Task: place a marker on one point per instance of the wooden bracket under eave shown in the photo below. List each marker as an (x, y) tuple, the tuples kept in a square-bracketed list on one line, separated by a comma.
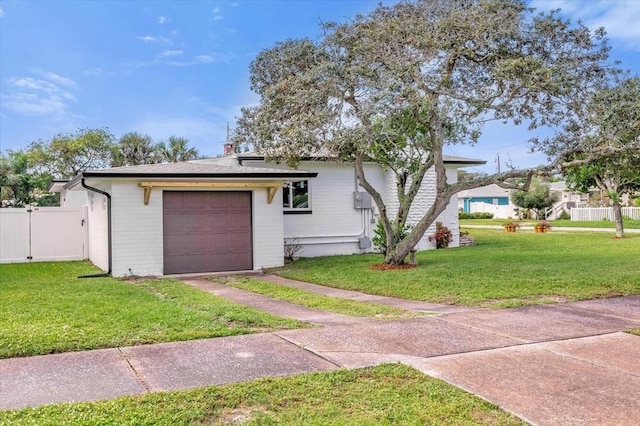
[(147, 194), (271, 192)]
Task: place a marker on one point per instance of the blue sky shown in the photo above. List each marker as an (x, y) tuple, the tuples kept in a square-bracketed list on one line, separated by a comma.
[(181, 67)]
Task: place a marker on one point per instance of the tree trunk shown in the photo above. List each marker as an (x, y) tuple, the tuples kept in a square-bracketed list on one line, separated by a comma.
[(617, 217)]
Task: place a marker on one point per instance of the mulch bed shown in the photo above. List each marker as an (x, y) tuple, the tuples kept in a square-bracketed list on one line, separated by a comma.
[(385, 267)]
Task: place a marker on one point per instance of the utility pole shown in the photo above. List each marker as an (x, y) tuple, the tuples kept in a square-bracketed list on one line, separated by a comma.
[(498, 161)]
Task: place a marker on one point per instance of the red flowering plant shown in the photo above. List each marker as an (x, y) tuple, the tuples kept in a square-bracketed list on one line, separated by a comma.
[(442, 237)]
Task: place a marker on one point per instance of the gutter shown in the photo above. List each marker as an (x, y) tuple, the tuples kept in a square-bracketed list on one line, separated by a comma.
[(106, 194)]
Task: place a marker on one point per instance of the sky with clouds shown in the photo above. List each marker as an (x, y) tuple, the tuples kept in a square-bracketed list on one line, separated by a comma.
[(181, 67)]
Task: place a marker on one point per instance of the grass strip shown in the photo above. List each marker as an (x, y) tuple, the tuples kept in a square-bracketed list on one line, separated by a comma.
[(501, 270), (387, 394), (46, 309), (317, 301)]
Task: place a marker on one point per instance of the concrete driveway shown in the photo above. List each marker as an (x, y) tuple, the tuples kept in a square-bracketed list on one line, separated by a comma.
[(563, 364)]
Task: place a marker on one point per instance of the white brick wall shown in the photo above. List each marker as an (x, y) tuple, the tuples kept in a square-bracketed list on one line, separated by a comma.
[(76, 197), (334, 226), (267, 230), (138, 231), (97, 227)]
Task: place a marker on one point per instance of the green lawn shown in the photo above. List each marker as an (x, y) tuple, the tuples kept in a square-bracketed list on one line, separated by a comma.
[(502, 270), (387, 394), (44, 308), (305, 298), (628, 223)]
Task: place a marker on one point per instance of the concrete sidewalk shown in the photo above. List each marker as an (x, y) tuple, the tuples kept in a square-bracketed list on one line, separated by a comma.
[(560, 364)]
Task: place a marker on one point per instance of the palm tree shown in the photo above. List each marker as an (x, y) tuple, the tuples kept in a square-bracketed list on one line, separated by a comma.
[(133, 149), (176, 149)]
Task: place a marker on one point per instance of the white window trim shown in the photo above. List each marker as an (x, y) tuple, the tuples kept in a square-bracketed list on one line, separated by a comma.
[(286, 187)]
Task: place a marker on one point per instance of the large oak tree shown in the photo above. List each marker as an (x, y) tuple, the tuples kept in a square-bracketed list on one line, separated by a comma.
[(398, 84)]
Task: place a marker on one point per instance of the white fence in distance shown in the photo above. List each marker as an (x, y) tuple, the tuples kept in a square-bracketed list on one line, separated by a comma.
[(43, 234), (603, 213), (499, 212)]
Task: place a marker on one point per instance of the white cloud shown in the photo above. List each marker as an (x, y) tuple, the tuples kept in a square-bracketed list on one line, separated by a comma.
[(216, 14), (147, 38), (165, 53), (34, 105), (1, 12), (620, 18), (163, 19), (56, 78), (203, 59), (45, 96)]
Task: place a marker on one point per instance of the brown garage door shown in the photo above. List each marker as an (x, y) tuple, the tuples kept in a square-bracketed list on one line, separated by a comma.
[(207, 231)]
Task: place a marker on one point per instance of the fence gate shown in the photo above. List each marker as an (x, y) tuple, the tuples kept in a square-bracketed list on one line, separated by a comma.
[(43, 234)]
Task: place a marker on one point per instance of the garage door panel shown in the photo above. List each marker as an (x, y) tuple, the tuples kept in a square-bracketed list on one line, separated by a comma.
[(238, 242), (175, 201), (178, 243), (240, 203), (198, 201), (207, 231)]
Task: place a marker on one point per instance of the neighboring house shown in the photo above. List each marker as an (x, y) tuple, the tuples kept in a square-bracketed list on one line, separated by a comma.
[(496, 200), (488, 199), (237, 212), (567, 199)]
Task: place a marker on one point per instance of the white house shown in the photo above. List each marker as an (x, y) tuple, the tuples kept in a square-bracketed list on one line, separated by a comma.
[(236, 213)]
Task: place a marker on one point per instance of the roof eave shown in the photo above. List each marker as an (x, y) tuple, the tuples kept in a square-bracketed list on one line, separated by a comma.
[(90, 174)]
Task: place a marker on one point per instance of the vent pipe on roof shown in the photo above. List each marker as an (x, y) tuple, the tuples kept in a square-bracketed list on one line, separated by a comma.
[(106, 194)]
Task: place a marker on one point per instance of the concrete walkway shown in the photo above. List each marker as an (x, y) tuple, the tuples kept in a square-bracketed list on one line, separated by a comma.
[(563, 364)]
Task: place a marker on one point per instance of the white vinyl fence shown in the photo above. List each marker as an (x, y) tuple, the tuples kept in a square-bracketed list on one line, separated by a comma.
[(603, 213), (43, 234), (499, 212)]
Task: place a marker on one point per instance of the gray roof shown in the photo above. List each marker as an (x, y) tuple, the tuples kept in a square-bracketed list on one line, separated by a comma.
[(191, 170), (448, 159), (489, 191)]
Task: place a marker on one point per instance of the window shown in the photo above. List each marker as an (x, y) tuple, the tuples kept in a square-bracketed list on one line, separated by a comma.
[(295, 196)]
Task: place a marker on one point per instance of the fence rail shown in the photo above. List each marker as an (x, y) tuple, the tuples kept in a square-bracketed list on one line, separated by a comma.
[(603, 213)]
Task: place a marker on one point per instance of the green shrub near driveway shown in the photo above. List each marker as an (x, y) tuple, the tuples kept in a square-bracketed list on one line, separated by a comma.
[(502, 269), (45, 308)]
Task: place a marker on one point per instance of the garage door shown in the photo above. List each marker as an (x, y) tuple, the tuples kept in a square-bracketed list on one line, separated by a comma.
[(207, 231)]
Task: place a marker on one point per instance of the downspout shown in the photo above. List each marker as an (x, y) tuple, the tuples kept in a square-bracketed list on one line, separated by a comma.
[(106, 194)]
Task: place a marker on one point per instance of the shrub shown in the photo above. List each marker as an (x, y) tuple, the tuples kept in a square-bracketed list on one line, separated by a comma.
[(380, 239), (442, 237), (291, 248), (564, 215), (475, 215)]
